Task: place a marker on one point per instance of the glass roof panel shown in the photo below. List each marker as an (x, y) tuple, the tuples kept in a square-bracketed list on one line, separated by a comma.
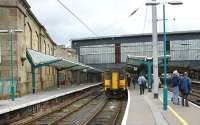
[(59, 63), (40, 58)]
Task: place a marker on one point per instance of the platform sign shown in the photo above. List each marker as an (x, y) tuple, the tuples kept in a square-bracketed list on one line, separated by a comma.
[(134, 62)]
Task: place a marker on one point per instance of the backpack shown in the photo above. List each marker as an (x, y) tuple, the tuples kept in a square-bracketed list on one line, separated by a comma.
[(143, 81)]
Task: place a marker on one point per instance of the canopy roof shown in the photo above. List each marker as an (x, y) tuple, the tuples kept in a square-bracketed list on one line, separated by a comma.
[(145, 58), (39, 59), (137, 60)]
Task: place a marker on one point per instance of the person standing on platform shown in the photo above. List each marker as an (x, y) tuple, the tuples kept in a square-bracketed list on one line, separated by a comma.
[(134, 80), (185, 87), (128, 79), (175, 83), (142, 83), (181, 77)]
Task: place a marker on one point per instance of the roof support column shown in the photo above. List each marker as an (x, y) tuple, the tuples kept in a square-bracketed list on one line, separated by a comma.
[(155, 50), (117, 53), (33, 78), (149, 64)]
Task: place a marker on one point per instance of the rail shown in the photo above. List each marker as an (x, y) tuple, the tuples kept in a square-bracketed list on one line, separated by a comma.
[(35, 118), (108, 115)]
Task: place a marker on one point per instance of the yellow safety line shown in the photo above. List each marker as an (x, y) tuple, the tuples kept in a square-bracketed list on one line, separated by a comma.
[(184, 122)]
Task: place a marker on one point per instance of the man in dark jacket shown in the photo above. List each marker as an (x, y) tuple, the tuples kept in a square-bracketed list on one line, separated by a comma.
[(185, 87), (134, 80), (128, 79), (181, 78)]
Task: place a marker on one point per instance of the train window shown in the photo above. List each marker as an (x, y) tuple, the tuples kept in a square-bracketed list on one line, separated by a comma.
[(107, 75), (121, 76)]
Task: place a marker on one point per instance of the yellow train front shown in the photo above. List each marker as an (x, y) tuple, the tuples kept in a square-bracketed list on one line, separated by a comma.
[(115, 84)]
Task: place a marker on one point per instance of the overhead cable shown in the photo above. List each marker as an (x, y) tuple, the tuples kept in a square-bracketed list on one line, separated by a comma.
[(134, 12), (82, 22), (145, 20)]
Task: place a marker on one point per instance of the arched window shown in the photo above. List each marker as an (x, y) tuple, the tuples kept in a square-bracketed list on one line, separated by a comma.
[(45, 47), (30, 35), (48, 49), (38, 41), (52, 51)]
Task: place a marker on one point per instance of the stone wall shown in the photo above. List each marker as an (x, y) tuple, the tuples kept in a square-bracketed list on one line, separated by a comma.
[(16, 14), (67, 53)]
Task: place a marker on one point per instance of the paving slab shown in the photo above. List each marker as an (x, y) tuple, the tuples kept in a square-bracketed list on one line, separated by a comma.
[(189, 114), (142, 110), (145, 110)]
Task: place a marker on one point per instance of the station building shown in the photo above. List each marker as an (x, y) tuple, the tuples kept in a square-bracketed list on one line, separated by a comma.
[(28, 33), (112, 51)]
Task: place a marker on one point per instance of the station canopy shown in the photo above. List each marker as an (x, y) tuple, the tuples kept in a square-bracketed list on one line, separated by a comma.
[(38, 59), (136, 60)]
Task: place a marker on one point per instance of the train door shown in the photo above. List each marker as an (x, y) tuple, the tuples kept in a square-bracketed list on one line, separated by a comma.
[(115, 79)]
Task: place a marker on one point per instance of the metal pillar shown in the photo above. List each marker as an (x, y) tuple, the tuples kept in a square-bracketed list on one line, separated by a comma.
[(149, 77), (10, 38), (165, 91), (117, 53), (155, 53), (33, 78)]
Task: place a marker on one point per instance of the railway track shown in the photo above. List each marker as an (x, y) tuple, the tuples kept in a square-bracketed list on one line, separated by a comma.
[(57, 117), (100, 111), (108, 115), (195, 94), (89, 108), (48, 111), (85, 113)]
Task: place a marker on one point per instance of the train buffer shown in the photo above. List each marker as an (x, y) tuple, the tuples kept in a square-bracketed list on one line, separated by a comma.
[(145, 110)]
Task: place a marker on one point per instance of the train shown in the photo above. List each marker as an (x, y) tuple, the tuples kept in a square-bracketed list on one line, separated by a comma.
[(115, 85)]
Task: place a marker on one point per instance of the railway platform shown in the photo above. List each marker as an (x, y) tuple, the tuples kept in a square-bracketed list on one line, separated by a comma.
[(145, 110), (7, 106)]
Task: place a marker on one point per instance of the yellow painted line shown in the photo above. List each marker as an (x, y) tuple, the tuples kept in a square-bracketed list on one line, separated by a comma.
[(183, 122)]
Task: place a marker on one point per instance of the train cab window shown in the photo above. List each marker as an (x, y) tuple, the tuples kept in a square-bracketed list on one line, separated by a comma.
[(121, 76), (107, 75)]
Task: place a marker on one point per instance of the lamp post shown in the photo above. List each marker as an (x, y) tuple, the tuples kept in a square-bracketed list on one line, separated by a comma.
[(165, 90), (10, 39), (10, 42)]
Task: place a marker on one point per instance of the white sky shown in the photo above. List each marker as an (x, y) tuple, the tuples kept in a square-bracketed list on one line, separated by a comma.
[(110, 17)]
